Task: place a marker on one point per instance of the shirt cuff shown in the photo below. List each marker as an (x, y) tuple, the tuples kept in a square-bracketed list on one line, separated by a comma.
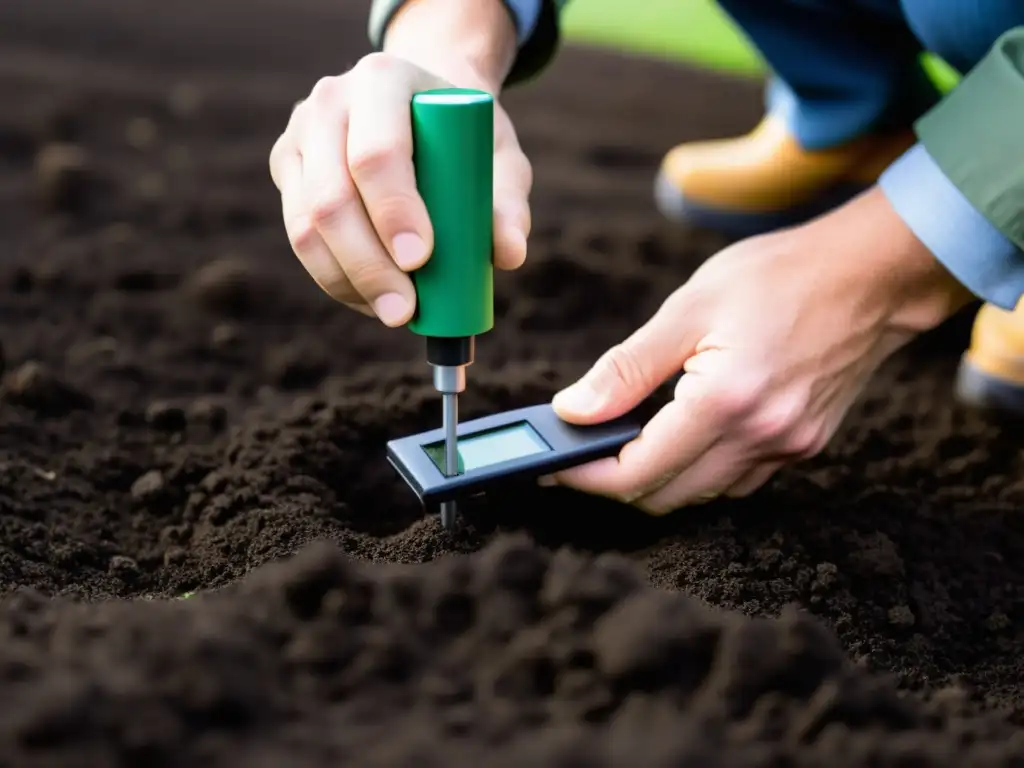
[(536, 23), (525, 14), (966, 243)]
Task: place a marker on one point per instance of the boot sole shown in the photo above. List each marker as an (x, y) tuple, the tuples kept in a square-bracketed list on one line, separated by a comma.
[(677, 207), (983, 391)]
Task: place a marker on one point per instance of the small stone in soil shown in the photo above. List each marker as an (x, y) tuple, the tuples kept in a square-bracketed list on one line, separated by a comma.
[(34, 386), (208, 411), (148, 485), (224, 336), (64, 177)]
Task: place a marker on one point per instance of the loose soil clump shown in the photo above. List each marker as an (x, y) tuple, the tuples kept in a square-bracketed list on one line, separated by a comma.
[(182, 410)]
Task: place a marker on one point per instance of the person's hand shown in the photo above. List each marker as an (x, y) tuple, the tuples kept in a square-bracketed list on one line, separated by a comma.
[(348, 191), (777, 336)]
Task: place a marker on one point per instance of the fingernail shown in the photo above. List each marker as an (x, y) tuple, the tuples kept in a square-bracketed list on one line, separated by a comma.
[(391, 308), (546, 481), (579, 398), (409, 250)]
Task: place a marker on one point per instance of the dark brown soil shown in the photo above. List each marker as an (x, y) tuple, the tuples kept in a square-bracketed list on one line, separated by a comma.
[(181, 406)]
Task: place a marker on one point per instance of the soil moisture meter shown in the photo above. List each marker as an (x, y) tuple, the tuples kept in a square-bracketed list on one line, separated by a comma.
[(511, 446), (453, 157)]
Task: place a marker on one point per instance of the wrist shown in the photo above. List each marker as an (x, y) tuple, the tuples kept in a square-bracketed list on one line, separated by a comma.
[(470, 43), (903, 280)]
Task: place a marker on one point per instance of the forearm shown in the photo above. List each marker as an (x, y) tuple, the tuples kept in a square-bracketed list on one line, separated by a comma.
[(503, 41), (472, 43)]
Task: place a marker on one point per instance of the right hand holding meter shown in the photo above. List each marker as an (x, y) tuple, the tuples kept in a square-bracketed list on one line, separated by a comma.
[(349, 199)]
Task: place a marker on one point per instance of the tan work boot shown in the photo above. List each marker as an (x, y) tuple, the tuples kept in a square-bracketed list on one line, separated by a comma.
[(991, 374), (766, 180)]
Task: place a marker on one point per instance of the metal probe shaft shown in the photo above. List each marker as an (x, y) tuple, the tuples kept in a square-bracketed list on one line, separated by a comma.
[(450, 422)]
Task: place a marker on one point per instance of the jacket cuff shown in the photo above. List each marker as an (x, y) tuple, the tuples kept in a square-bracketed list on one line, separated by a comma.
[(536, 23), (974, 135), (964, 241)]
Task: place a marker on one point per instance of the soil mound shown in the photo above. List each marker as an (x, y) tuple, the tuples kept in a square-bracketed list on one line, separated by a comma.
[(511, 656)]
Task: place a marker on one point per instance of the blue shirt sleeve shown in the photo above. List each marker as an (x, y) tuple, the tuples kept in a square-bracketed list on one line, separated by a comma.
[(958, 235), (526, 13)]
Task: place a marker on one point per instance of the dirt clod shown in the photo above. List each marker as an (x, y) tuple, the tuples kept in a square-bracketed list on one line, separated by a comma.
[(228, 286), (166, 417)]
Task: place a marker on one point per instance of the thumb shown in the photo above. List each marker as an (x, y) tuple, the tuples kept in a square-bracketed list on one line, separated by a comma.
[(629, 372)]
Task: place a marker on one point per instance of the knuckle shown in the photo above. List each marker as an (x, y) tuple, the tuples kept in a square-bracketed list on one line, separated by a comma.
[(274, 159), (734, 401), (806, 442), (369, 276), (329, 208), (773, 422), (376, 62), (301, 233), (277, 149), (391, 213), (622, 363), (325, 89), (370, 160)]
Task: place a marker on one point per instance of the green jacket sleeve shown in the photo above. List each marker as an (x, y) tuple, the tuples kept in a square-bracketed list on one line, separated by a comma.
[(538, 42), (976, 136)]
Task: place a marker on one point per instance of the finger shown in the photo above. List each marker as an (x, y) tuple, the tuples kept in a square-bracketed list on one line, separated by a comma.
[(632, 370), (380, 150), (513, 181), (283, 151), (285, 148), (510, 240), (705, 480), (753, 480), (676, 438), (306, 242), (342, 222)]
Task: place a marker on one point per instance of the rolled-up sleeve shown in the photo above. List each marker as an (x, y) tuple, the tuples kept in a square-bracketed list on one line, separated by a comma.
[(537, 31), (964, 241), (961, 188)]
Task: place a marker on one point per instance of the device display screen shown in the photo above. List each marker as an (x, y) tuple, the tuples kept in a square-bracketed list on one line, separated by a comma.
[(492, 447)]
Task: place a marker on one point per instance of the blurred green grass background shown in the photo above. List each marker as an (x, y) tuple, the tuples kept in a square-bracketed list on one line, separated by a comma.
[(692, 31)]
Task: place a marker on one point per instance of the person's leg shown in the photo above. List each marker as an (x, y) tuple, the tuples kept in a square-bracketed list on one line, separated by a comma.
[(846, 85), (991, 373)]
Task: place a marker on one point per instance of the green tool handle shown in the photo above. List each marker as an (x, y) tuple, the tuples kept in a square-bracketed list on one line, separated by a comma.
[(453, 155)]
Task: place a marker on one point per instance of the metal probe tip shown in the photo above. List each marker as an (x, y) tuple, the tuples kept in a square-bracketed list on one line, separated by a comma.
[(450, 422), (449, 380)]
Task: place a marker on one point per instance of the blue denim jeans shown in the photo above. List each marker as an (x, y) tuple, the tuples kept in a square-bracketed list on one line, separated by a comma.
[(845, 68)]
